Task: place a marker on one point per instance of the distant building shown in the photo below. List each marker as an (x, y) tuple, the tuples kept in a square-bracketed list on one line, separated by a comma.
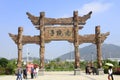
[(114, 59), (70, 60), (73, 60)]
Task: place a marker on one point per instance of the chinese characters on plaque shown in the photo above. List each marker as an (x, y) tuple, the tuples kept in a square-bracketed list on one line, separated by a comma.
[(59, 33)]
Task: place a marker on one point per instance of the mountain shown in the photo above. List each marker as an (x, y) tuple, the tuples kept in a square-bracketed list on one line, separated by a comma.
[(89, 52)]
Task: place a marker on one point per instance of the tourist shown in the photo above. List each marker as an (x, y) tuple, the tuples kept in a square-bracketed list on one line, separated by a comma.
[(35, 73), (93, 70), (86, 69), (110, 73), (32, 72), (37, 70), (19, 73), (25, 73)]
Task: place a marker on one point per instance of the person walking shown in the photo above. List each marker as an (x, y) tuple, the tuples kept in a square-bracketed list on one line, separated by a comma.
[(37, 70), (19, 73), (25, 73), (35, 73), (32, 72), (110, 73)]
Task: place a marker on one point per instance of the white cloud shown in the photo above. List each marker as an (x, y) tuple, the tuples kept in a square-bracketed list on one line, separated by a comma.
[(95, 7)]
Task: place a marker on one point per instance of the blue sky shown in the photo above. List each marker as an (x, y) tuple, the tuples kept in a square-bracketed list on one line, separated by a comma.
[(106, 13)]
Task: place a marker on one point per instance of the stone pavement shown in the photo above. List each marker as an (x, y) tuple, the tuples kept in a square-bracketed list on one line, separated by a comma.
[(63, 75)]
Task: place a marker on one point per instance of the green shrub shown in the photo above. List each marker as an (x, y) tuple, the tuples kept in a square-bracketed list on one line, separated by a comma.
[(2, 71), (3, 62), (116, 70)]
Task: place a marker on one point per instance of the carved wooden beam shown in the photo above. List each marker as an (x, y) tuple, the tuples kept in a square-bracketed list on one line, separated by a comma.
[(59, 21), (26, 39), (31, 39), (34, 20), (87, 38), (104, 36), (14, 37), (90, 38)]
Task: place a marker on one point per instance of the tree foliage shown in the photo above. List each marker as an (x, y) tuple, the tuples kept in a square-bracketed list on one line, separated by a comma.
[(7, 66), (3, 62)]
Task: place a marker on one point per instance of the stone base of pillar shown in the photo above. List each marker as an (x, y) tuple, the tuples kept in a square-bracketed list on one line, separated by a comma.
[(41, 71), (76, 71), (100, 71)]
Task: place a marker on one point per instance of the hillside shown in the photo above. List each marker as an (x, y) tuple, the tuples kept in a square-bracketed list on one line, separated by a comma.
[(89, 52)]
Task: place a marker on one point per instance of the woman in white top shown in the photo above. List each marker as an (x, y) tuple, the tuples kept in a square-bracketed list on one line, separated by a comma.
[(110, 73)]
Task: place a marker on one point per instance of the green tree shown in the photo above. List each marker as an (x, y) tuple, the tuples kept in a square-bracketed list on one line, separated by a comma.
[(3, 62), (58, 60), (10, 69), (7, 66), (36, 61), (82, 65)]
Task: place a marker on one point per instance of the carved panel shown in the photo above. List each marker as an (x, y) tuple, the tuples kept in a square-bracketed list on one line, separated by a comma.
[(59, 33)]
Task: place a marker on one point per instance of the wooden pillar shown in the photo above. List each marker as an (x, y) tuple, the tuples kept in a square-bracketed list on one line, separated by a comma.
[(19, 45), (76, 45), (42, 42), (98, 46)]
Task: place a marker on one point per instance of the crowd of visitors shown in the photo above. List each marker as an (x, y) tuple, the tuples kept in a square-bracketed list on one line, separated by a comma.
[(23, 73)]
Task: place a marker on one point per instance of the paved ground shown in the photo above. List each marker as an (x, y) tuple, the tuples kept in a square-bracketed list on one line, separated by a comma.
[(64, 75)]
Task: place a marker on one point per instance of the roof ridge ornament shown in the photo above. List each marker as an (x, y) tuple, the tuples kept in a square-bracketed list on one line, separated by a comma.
[(59, 21)]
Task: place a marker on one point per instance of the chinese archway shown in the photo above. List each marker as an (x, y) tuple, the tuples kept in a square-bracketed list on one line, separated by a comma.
[(67, 30)]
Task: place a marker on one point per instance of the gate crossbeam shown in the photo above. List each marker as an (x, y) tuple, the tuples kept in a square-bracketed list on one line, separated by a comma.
[(90, 38), (26, 39)]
